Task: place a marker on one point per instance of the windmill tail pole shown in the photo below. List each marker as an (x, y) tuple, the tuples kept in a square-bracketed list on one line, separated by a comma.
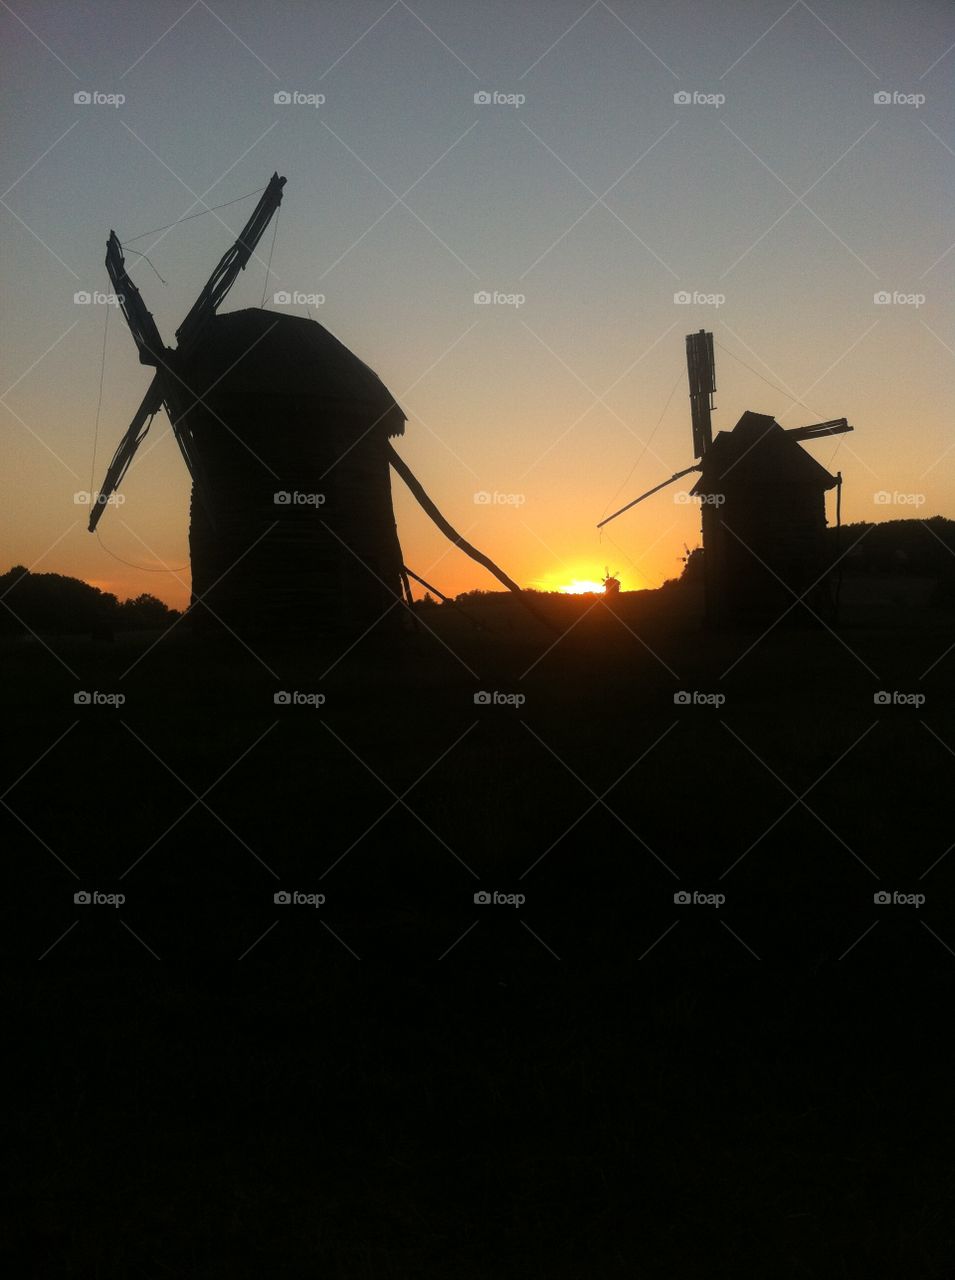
[(655, 489), (478, 626), (452, 534)]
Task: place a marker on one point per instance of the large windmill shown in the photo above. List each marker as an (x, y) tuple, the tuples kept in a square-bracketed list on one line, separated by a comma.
[(763, 505), (287, 436)]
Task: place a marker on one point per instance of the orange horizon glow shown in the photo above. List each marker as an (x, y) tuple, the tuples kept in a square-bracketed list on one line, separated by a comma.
[(581, 587)]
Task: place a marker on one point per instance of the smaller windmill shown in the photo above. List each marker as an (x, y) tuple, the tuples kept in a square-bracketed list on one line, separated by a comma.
[(763, 505), (611, 582)]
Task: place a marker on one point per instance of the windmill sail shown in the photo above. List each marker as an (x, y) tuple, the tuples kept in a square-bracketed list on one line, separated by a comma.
[(167, 387), (701, 373)]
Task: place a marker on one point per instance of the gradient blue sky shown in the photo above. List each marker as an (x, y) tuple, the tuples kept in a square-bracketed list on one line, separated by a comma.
[(798, 199)]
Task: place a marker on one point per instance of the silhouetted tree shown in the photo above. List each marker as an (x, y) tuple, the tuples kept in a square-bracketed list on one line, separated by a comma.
[(54, 604)]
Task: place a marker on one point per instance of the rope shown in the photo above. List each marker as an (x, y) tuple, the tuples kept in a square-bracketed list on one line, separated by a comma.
[(99, 403), (201, 213), (268, 265), (646, 445), (787, 394), (145, 259), (143, 568)]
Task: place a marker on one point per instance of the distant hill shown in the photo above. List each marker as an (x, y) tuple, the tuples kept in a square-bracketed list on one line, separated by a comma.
[(922, 548), (53, 604)]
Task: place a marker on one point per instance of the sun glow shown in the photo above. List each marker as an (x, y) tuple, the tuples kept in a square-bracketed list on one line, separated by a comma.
[(580, 587)]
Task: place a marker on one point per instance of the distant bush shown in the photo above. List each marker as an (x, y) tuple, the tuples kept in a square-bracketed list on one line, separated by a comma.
[(51, 603)]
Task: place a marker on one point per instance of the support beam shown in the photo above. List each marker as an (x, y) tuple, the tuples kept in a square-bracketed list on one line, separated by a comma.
[(452, 534)]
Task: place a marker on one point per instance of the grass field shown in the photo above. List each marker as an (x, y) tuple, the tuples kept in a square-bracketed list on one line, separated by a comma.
[(620, 1084)]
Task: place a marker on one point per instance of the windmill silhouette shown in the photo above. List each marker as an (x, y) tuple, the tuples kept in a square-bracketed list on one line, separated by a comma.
[(763, 504)]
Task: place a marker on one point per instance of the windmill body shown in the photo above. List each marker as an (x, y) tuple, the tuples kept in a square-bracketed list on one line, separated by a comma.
[(292, 526), (763, 500)]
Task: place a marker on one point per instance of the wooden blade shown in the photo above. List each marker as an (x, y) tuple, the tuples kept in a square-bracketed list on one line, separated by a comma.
[(834, 427), (135, 433), (230, 264), (140, 321)]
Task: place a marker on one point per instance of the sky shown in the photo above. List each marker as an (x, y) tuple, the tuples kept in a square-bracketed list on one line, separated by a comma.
[(613, 176)]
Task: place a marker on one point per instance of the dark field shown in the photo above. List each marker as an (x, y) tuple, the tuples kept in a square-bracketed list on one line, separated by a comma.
[(619, 1084)]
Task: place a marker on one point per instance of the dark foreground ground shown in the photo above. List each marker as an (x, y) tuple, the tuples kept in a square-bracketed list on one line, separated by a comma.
[(600, 1081)]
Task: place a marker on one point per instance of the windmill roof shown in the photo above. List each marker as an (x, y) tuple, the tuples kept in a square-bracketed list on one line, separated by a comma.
[(758, 451), (269, 353)]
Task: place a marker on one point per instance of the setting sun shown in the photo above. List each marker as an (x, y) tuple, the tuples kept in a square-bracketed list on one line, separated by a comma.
[(580, 587)]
